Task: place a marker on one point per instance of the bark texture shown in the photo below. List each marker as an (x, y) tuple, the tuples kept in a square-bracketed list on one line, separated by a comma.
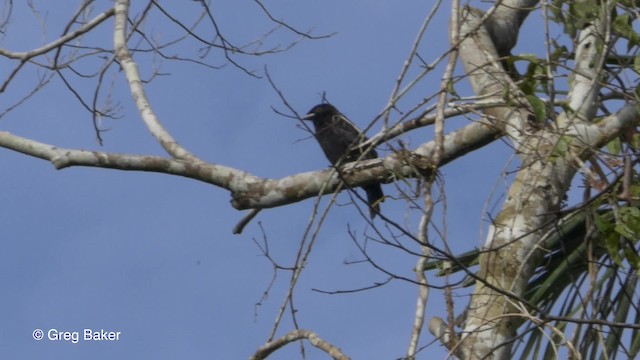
[(550, 158)]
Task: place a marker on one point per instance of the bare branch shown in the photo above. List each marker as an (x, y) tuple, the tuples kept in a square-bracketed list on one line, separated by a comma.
[(488, 78), (24, 56), (421, 279), (591, 53), (267, 349), (137, 90), (289, 27), (504, 21), (396, 94)]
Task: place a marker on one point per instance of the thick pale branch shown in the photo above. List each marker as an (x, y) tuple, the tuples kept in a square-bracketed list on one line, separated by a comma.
[(276, 192), (268, 348), (585, 84), (250, 191), (61, 158), (594, 136), (137, 90), (514, 240), (441, 330), (403, 164), (488, 78), (505, 21), (462, 141), (513, 243)]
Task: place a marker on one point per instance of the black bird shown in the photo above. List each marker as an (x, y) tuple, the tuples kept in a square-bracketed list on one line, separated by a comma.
[(339, 139)]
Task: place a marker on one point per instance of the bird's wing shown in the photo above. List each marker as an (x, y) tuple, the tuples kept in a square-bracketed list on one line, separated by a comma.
[(349, 131)]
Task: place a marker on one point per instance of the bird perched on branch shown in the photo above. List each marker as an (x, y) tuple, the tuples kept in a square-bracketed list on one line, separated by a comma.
[(339, 140)]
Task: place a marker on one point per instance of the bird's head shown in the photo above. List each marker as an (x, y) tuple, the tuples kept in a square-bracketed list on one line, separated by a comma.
[(321, 111)]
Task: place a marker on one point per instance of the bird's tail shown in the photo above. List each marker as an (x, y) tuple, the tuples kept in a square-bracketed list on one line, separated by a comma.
[(374, 197)]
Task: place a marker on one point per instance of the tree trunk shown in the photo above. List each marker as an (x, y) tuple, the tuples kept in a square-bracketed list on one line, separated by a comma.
[(550, 157)]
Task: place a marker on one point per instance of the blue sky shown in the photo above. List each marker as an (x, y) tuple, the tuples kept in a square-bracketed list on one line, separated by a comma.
[(153, 256)]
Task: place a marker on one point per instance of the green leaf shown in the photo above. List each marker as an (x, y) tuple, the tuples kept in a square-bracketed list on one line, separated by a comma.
[(603, 223), (635, 141), (583, 13), (539, 108), (624, 230), (531, 58), (450, 89), (530, 80), (612, 244), (615, 146), (622, 26), (632, 257), (556, 11), (636, 64), (558, 53), (561, 147), (630, 219)]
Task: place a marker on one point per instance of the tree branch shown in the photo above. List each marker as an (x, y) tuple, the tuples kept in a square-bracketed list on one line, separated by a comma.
[(24, 56), (589, 60), (249, 191), (504, 23), (130, 68), (480, 60), (267, 349)]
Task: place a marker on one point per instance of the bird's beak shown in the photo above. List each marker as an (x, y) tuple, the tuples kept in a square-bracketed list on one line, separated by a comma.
[(309, 116)]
